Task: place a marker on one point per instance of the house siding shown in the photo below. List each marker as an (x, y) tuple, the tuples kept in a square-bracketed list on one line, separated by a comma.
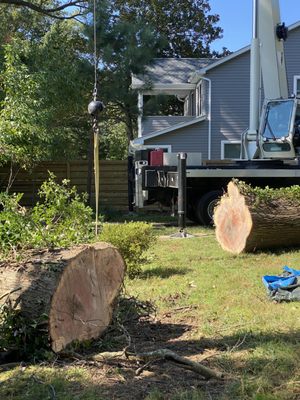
[(157, 123), (230, 101), (292, 56), (193, 138), (231, 92), (230, 85)]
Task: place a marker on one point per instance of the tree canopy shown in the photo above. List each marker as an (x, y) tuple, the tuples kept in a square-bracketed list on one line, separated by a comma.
[(187, 25), (52, 9), (46, 71)]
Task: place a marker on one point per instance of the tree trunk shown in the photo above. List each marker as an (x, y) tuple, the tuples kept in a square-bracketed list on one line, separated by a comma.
[(75, 288), (244, 225)]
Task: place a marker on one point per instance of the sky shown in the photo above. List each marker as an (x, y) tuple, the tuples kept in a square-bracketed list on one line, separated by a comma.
[(236, 20)]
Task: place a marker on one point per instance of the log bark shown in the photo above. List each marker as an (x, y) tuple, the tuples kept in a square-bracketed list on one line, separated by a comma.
[(243, 225), (75, 288)]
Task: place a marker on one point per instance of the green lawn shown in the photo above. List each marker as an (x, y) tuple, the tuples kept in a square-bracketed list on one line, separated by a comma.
[(208, 303)]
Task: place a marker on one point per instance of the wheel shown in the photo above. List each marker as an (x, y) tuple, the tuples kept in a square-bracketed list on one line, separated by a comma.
[(205, 206)]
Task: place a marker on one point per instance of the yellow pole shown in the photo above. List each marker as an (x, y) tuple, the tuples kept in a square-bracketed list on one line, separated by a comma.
[(97, 173)]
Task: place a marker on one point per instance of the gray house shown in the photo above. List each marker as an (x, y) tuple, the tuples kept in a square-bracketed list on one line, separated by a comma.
[(215, 93)]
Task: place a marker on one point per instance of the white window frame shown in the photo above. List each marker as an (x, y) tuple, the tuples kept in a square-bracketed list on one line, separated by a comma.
[(296, 79), (223, 143)]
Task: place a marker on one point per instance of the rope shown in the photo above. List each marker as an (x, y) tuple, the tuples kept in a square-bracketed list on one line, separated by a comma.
[(95, 52), (96, 128), (97, 172)]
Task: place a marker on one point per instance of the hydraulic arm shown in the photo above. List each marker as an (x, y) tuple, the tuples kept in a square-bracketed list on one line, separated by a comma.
[(275, 135)]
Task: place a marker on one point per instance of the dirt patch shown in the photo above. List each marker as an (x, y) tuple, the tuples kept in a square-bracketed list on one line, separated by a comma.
[(127, 379)]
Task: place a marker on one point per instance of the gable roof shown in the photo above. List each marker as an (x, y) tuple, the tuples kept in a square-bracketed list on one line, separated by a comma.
[(170, 71), (184, 71)]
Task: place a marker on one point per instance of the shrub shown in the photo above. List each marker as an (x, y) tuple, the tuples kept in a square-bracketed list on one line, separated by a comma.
[(132, 240), (15, 223), (61, 219)]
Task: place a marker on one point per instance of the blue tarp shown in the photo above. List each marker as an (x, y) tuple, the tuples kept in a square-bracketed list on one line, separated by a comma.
[(284, 287)]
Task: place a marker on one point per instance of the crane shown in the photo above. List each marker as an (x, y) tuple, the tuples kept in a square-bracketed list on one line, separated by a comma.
[(276, 133), (270, 151)]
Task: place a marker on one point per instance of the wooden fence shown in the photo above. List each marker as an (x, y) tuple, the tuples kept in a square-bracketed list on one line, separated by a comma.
[(113, 181)]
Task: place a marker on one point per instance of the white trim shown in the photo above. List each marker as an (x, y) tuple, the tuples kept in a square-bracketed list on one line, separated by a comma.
[(223, 143), (169, 129), (295, 87)]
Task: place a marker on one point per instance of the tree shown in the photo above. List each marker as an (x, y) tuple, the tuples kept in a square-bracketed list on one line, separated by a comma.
[(52, 9), (123, 48), (187, 25), (43, 111), (141, 31), (130, 48), (45, 86)]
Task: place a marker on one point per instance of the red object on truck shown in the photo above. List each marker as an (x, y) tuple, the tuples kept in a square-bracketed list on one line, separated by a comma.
[(156, 157)]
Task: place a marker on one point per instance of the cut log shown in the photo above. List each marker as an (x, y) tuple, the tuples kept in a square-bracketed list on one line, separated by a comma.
[(75, 288), (244, 225)]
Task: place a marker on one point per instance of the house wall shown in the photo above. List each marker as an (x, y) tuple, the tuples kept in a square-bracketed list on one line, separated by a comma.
[(231, 92), (157, 123), (192, 138), (230, 103), (292, 56)]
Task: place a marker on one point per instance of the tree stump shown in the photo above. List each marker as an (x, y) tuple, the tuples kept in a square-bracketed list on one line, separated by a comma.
[(245, 225), (75, 288)]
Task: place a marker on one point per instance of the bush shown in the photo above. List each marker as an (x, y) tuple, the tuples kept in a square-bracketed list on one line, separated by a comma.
[(15, 223), (61, 219), (132, 240)]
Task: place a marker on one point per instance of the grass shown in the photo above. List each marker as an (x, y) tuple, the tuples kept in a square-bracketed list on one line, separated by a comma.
[(229, 309), (43, 383), (220, 303)]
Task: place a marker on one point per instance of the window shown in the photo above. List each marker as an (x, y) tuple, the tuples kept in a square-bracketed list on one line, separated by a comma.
[(297, 85), (230, 149)]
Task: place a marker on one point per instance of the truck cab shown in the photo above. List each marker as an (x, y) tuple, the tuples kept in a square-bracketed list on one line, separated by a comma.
[(279, 135)]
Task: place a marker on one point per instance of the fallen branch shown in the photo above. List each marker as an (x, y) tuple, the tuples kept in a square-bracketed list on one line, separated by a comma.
[(182, 362), (149, 357)]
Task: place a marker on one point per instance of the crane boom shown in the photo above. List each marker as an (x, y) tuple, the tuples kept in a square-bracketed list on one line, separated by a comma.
[(271, 50), (276, 133)]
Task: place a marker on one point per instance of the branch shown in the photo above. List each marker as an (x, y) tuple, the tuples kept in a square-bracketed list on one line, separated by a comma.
[(48, 11), (181, 362), (151, 357)]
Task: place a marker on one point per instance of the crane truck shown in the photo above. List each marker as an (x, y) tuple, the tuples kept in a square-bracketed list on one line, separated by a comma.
[(270, 147)]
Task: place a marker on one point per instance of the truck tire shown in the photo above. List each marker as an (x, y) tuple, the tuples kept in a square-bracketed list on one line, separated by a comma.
[(205, 206)]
